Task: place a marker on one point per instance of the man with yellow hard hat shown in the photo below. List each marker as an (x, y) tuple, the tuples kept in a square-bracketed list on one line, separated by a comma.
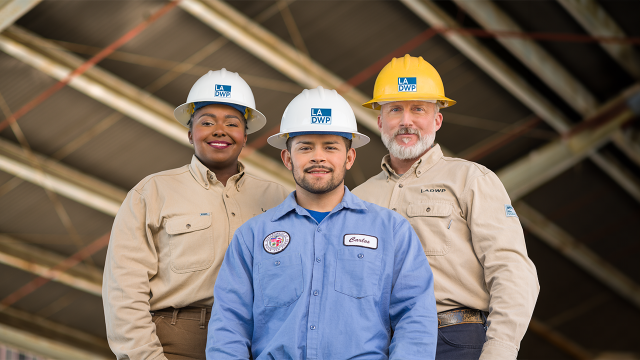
[(485, 284)]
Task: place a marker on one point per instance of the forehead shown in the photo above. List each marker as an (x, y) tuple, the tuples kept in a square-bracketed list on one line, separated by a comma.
[(406, 104), (218, 110), (317, 139)]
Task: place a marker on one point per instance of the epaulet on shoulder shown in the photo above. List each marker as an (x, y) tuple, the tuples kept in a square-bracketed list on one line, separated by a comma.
[(470, 164), (171, 172)]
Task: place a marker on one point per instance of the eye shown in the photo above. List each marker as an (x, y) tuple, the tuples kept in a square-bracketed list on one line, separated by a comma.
[(232, 124)]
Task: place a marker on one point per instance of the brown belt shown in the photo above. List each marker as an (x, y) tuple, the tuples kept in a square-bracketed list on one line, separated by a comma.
[(461, 316), (187, 313)]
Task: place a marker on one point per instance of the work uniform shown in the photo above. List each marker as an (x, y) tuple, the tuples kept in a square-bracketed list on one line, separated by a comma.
[(293, 288), (167, 243), (473, 240)]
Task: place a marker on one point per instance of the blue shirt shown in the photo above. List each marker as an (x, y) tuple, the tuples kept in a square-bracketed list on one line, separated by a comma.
[(293, 288)]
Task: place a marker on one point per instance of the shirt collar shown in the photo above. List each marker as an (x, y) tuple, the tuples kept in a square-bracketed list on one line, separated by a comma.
[(421, 165), (205, 177), (349, 201)]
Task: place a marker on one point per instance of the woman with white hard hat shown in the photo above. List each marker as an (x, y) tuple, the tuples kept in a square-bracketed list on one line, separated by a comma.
[(171, 233)]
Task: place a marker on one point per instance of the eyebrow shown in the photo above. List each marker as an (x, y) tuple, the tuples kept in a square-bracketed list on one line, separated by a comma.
[(312, 143), (228, 116)]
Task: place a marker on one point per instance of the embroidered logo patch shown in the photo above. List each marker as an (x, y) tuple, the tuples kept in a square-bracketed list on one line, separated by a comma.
[(223, 90), (407, 84), (432, 190), (321, 116), (510, 211), (276, 242), (366, 241)]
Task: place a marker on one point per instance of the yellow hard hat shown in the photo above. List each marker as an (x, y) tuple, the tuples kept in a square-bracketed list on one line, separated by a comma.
[(408, 78)]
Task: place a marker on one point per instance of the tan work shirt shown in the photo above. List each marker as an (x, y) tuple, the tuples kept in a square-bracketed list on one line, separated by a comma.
[(474, 244), (167, 244)]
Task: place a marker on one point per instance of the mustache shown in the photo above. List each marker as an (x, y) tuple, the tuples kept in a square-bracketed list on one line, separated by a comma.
[(314, 167), (407, 130)]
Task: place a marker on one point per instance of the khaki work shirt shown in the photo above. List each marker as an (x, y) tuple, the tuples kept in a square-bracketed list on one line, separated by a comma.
[(474, 244), (167, 244)]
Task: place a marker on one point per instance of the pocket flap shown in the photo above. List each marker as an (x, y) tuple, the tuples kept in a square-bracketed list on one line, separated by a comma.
[(189, 223), (431, 208), (279, 262)]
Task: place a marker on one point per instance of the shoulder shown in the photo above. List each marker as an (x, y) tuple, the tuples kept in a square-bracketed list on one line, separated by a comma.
[(157, 178), (370, 183), (258, 181), (383, 215), (467, 166)]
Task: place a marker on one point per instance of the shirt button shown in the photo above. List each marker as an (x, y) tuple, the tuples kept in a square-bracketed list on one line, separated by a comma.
[(277, 263), (428, 209), (188, 226), (211, 177), (419, 172), (394, 209), (319, 230), (316, 293), (318, 259), (360, 256), (399, 185), (227, 195), (312, 327), (233, 214)]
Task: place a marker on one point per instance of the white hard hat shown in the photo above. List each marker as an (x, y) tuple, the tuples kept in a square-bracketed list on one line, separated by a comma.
[(224, 87), (318, 110)]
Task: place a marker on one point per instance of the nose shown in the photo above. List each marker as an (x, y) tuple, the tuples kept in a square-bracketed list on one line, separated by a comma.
[(218, 130), (318, 156), (406, 120)]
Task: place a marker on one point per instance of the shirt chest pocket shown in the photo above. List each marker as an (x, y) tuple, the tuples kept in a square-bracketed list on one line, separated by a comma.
[(281, 280), (357, 272), (191, 243), (432, 222)]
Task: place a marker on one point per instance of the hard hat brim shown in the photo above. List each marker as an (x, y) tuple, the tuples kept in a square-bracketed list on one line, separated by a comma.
[(372, 104), (255, 122), (279, 140)]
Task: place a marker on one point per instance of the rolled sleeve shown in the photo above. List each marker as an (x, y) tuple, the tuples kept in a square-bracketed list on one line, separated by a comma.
[(131, 261), (412, 307), (509, 274), (231, 324)]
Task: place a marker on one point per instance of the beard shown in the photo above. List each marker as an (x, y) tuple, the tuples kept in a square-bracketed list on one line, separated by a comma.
[(317, 187), (408, 152)]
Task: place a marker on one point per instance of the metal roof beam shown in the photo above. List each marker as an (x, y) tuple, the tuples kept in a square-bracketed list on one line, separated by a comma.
[(595, 20), (283, 57), (38, 261), (85, 346), (12, 10), (61, 179), (547, 68), (578, 253), (434, 16), (118, 94)]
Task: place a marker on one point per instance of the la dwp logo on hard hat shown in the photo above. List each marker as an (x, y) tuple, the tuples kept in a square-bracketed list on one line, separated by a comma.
[(223, 90), (321, 116), (407, 84)]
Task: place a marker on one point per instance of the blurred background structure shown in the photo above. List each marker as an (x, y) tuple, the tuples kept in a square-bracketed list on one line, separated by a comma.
[(548, 98)]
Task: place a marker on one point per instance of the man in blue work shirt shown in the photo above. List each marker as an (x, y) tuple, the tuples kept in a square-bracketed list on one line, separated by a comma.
[(324, 275)]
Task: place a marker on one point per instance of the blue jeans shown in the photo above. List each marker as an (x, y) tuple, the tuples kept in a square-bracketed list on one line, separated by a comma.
[(460, 342)]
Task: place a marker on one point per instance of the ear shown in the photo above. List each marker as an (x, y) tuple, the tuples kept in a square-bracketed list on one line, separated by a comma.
[(190, 137), (286, 159), (351, 158), (439, 119), (379, 122), (245, 140)]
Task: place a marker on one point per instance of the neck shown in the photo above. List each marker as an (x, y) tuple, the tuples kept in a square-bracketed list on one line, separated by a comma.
[(223, 173), (319, 202)]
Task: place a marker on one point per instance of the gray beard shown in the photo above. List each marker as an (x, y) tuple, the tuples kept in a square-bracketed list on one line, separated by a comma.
[(411, 152)]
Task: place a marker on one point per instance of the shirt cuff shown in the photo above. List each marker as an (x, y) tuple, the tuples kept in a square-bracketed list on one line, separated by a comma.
[(498, 350)]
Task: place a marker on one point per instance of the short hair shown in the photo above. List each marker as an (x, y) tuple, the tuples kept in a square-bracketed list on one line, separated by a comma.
[(347, 142), (439, 104)]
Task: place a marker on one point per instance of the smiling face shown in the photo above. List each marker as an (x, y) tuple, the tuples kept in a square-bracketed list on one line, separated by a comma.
[(318, 162), (218, 136), (409, 128)]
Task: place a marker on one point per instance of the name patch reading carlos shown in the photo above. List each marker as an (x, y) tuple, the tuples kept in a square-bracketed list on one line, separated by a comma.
[(276, 242), (361, 240)]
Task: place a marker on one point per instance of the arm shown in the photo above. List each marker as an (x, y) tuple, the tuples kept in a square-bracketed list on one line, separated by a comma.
[(231, 324), (131, 261), (412, 307), (509, 274)]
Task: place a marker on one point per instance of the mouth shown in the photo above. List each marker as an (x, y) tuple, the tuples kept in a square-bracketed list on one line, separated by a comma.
[(406, 138), (220, 145), (318, 171)]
